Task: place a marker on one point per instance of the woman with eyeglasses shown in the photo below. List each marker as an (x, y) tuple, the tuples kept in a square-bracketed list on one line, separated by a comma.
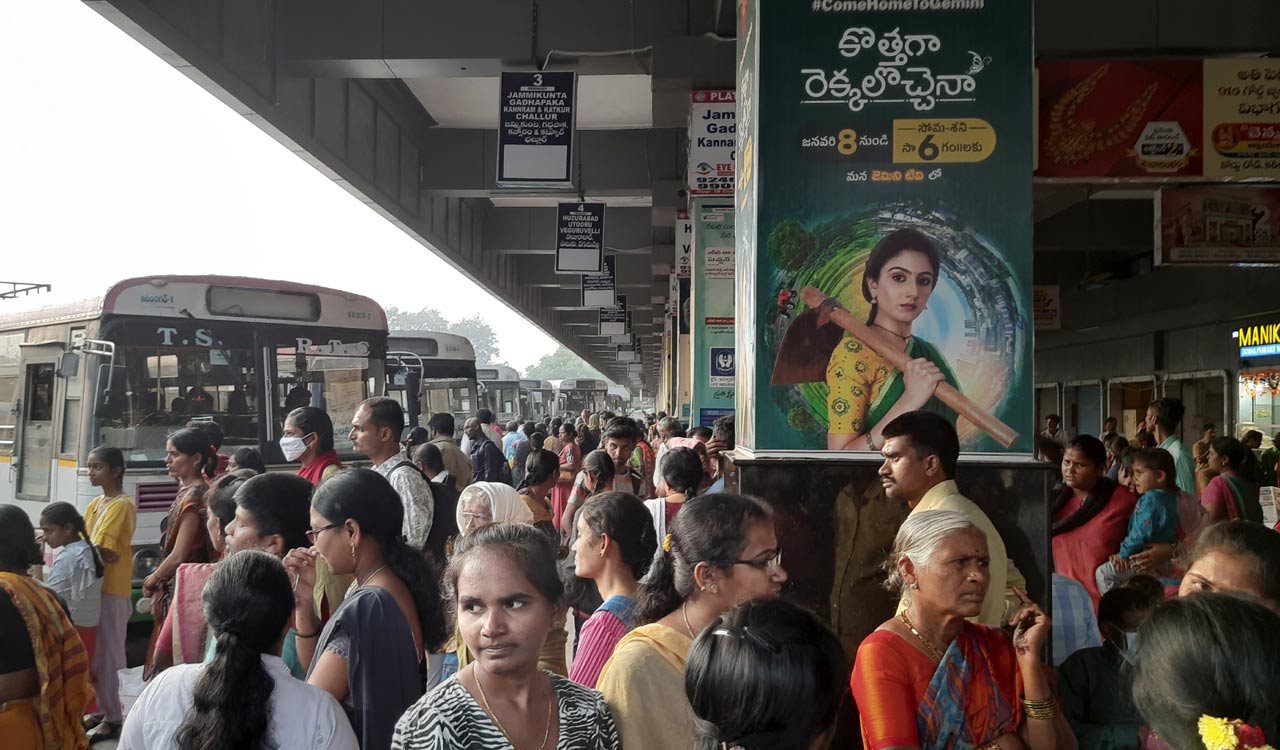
[(798, 675), (371, 655), (721, 551), (503, 582)]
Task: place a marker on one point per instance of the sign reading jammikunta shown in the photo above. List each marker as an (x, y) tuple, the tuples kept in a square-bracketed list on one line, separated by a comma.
[(884, 220), (535, 130)]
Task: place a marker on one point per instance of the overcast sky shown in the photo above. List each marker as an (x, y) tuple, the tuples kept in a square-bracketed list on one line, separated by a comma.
[(113, 164)]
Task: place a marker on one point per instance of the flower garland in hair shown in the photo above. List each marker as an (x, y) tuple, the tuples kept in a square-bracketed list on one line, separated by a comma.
[(1221, 734)]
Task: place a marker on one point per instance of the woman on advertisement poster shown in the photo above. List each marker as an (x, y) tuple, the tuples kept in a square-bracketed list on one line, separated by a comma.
[(878, 369), (866, 391)]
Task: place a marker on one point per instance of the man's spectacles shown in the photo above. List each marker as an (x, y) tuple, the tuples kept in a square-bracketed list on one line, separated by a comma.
[(313, 534)]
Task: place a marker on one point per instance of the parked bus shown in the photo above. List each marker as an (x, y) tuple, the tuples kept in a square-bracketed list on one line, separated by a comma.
[(537, 399), (574, 395), (440, 368), (500, 392), (619, 399), (151, 354)]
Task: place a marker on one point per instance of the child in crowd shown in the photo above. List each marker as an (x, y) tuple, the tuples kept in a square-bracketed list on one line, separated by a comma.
[(110, 520), (1154, 519), (76, 574)]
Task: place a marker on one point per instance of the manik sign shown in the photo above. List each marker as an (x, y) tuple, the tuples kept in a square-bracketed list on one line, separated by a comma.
[(1259, 341), (713, 135)]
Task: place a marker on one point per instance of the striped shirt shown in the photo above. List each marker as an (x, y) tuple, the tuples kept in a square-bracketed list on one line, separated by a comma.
[(600, 634), (448, 718), (1075, 626)]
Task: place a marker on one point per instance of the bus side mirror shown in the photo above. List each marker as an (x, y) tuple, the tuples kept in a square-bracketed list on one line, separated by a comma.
[(111, 391), (413, 397), (69, 365)]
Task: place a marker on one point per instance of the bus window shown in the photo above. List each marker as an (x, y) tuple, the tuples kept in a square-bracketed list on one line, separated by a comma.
[(335, 382), (168, 386)]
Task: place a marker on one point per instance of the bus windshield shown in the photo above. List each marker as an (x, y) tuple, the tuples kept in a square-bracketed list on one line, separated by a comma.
[(168, 375)]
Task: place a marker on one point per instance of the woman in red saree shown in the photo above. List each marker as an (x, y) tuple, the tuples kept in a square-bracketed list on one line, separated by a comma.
[(187, 454), (929, 679), (1090, 514)]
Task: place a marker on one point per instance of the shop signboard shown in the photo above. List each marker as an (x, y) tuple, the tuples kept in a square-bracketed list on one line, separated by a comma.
[(712, 306), (885, 203), (535, 132), (1216, 226), (598, 288), (580, 237), (1259, 340), (1242, 117), (1046, 307), (712, 139)]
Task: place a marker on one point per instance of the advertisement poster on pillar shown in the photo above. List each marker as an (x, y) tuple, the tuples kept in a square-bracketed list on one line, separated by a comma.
[(891, 180)]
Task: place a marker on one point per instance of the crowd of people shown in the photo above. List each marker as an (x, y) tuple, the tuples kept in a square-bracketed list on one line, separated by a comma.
[(597, 583)]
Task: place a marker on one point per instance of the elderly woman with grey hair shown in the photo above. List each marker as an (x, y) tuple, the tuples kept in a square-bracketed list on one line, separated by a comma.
[(929, 678)]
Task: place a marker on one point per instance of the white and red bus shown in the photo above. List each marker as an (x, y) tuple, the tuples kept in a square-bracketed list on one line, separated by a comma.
[(151, 354)]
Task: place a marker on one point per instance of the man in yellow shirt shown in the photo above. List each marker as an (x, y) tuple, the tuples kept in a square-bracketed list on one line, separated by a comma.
[(110, 521), (920, 452)]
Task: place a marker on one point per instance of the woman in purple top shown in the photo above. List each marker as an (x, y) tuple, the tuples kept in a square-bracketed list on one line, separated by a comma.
[(616, 543)]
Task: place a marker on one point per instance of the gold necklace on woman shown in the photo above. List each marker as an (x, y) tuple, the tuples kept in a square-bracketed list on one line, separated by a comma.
[(928, 644), (485, 699), (376, 571)]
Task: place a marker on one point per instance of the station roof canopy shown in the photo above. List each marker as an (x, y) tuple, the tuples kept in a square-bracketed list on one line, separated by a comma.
[(397, 101)]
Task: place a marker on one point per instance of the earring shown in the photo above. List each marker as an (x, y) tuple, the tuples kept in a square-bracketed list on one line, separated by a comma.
[(915, 585), (714, 589), (353, 551)]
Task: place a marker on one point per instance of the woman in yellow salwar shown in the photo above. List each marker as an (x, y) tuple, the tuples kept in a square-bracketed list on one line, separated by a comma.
[(44, 668), (865, 391), (721, 551)]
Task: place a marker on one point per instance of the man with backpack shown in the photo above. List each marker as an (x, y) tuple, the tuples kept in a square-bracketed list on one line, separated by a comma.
[(487, 462), (375, 432)]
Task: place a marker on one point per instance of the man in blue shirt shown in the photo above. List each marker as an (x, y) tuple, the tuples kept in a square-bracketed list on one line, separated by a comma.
[(1163, 417)]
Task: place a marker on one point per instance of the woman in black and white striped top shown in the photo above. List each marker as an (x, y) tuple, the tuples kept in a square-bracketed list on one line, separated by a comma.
[(503, 581)]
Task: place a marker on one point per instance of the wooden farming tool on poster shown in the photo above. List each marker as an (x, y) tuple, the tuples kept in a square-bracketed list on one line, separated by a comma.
[(946, 393)]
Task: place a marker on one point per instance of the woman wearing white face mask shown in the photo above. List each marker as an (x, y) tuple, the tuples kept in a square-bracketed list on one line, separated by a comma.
[(308, 437)]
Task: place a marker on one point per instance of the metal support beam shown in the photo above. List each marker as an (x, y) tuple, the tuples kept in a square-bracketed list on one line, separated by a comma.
[(532, 231), (462, 161), (442, 38)]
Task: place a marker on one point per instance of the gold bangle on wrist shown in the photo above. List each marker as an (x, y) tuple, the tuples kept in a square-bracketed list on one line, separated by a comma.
[(1043, 710)]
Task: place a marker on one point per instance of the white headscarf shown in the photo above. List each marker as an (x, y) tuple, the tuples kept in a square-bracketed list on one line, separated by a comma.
[(504, 504)]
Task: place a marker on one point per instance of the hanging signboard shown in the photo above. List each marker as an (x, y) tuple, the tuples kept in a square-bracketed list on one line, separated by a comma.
[(598, 288), (713, 136), (684, 245), (673, 295), (613, 320), (1242, 117), (883, 138), (535, 130), (580, 238), (627, 354), (1218, 226)]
